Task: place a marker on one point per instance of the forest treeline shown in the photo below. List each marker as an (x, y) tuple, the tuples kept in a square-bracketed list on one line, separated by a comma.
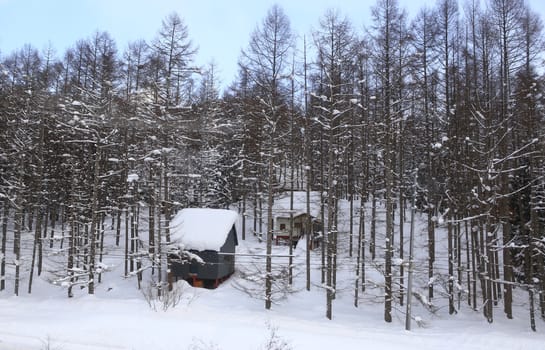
[(443, 111)]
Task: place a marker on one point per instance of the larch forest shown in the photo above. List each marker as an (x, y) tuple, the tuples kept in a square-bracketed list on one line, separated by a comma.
[(442, 114)]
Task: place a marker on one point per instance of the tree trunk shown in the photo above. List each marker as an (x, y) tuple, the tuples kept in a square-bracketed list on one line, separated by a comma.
[(450, 252), (488, 307), (71, 255), (101, 245), (119, 212), (401, 217), (290, 259), (324, 238), (37, 242), (18, 225), (468, 263), (268, 267), (135, 217), (5, 215), (94, 220), (351, 219), (166, 199), (151, 222), (372, 243), (244, 195), (158, 244), (39, 210), (309, 234), (474, 262), (255, 210), (360, 258)]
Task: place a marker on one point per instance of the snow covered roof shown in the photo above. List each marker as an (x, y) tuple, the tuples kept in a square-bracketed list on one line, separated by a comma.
[(202, 229), (281, 206)]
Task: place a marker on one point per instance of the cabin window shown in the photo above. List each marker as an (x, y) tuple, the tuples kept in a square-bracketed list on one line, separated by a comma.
[(282, 226)]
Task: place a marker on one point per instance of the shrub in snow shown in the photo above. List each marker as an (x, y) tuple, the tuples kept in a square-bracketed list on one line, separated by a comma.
[(158, 296), (199, 344), (275, 342)]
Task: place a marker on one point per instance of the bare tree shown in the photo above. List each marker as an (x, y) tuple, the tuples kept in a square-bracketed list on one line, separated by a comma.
[(386, 18), (334, 43), (267, 61)]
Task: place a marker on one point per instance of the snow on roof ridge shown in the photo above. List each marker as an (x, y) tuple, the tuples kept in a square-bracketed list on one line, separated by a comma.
[(202, 228)]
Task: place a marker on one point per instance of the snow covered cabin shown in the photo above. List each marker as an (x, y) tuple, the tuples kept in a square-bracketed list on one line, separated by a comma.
[(203, 245), (282, 217)]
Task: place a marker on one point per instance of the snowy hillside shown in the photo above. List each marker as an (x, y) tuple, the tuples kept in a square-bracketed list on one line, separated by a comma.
[(331, 147), (119, 316)]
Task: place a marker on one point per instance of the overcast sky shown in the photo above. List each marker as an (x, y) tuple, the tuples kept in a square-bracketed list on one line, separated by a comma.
[(219, 28)]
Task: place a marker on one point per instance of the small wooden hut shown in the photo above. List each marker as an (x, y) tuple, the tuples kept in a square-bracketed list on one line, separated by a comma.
[(203, 246), (283, 213)]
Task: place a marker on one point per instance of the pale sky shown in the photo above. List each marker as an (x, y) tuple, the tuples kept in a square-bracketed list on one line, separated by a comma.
[(219, 28)]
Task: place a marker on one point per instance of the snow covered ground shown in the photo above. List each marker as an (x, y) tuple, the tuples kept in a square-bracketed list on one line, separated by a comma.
[(227, 319), (119, 317)]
